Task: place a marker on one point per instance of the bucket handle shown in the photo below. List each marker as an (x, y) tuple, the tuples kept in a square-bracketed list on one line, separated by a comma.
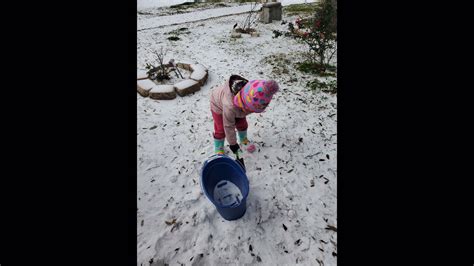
[(215, 156), (211, 158)]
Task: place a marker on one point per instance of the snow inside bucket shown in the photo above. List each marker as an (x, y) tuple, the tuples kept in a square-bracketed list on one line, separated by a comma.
[(227, 193), (225, 184)]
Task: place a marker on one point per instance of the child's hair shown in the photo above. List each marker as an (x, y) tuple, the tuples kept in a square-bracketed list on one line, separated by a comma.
[(236, 83)]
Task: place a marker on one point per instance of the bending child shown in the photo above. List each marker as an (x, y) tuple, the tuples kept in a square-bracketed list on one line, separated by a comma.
[(231, 103)]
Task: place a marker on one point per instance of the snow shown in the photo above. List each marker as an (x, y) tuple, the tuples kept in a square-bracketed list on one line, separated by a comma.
[(185, 84), (160, 21), (198, 74), (146, 4), (162, 89), (197, 67), (292, 174), (151, 22), (146, 84), (141, 74)]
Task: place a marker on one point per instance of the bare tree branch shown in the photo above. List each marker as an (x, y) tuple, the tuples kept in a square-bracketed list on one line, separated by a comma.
[(159, 71), (251, 17), (330, 57)]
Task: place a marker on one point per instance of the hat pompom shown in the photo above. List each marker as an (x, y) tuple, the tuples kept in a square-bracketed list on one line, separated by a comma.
[(271, 86)]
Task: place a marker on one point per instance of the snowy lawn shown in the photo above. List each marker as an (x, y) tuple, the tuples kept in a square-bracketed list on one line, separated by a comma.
[(291, 208)]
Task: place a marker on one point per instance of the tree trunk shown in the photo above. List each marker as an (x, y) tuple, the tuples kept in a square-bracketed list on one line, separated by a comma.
[(321, 60)]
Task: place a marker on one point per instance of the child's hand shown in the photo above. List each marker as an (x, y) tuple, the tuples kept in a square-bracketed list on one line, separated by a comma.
[(234, 148)]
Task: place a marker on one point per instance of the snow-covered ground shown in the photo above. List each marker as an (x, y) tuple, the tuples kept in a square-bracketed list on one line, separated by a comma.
[(145, 22), (292, 174), (147, 4)]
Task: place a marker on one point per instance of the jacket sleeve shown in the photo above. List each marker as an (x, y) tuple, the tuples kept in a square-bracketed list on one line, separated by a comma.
[(228, 118)]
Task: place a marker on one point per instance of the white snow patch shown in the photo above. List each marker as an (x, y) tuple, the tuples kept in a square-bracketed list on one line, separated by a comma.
[(293, 169), (146, 84), (154, 22), (185, 84), (141, 74), (197, 67), (146, 4), (198, 74), (162, 89)]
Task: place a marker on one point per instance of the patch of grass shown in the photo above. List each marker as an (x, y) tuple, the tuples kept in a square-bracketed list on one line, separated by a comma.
[(329, 87), (144, 13), (247, 31), (303, 9), (179, 31), (174, 38), (316, 68), (279, 62), (184, 5), (209, 3), (235, 1)]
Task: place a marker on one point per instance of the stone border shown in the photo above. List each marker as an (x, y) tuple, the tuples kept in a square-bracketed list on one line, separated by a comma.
[(198, 78)]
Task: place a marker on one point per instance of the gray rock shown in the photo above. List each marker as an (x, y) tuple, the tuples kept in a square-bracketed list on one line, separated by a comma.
[(162, 92), (186, 87), (144, 86), (186, 66), (200, 76)]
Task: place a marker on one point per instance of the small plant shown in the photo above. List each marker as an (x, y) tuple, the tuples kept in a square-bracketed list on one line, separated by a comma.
[(321, 38), (277, 33), (318, 32), (250, 20), (159, 72)]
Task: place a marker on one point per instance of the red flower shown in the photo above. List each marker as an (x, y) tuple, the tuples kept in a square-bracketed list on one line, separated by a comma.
[(318, 22)]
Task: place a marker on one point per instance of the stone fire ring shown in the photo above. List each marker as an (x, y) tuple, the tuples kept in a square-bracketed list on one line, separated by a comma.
[(147, 88)]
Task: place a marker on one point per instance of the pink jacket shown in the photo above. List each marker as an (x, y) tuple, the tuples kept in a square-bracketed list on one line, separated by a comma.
[(222, 103)]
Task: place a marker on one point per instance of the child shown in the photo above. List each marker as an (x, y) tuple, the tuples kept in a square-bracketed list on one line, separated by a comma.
[(231, 103)]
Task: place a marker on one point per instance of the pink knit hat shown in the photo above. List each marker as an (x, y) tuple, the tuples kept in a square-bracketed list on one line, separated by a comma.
[(256, 95)]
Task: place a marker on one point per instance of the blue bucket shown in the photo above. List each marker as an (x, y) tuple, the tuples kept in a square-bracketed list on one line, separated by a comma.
[(225, 184)]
